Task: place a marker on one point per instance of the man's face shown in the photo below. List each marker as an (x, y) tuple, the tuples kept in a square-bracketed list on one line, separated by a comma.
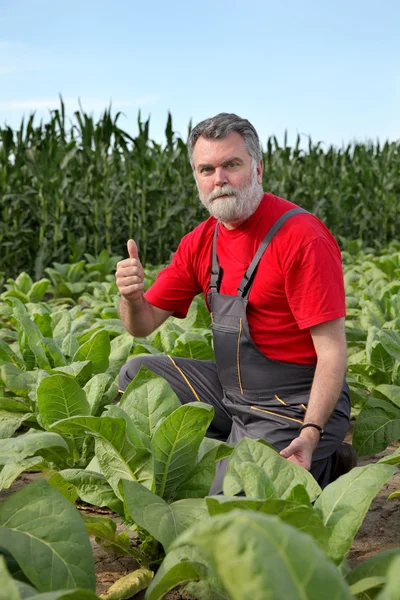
[(228, 181)]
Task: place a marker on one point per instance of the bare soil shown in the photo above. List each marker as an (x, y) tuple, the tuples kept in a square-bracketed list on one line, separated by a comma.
[(379, 531)]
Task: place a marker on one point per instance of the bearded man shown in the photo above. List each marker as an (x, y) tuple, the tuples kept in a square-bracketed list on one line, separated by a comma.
[(272, 277)]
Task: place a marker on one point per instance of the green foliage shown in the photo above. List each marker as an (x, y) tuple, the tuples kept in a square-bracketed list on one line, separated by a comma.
[(70, 192), (373, 331), (47, 537), (276, 558)]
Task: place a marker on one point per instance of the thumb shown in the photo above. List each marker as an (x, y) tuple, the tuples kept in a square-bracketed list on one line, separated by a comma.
[(288, 451), (132, 249)]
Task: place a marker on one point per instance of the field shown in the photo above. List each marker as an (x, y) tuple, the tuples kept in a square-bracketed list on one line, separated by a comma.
[(98, 489), (70, 187), (65, 441)]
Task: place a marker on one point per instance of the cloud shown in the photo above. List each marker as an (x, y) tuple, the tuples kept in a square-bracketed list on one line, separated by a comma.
[(88, 104)]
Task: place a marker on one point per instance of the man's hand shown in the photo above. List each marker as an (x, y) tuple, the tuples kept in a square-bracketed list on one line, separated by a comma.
[(129, 275), (301, 449)]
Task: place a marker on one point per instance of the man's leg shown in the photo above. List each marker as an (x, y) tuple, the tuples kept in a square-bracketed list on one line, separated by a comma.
[(191, 380), (279, 425)]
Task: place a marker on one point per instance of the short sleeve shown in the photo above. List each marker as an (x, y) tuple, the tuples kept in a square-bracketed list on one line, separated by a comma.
[(176, 285), (314, 283)]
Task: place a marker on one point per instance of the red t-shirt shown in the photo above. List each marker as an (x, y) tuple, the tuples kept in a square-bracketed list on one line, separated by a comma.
[(298, 284)]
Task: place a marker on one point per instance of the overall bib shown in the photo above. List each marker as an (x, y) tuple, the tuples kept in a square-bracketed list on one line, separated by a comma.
[(266, 398)]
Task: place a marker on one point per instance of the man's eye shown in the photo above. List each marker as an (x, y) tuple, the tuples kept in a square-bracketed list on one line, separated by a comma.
[(206, 169), (232, 164)]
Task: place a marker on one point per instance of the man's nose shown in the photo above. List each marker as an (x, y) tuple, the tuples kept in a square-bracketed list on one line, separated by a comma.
[(220, 176)]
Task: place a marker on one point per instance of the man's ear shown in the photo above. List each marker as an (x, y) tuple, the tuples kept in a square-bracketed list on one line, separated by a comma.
[(260, 169)]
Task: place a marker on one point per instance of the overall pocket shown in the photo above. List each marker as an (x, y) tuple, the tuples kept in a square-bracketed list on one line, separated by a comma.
[(279, 412), (226, 340)]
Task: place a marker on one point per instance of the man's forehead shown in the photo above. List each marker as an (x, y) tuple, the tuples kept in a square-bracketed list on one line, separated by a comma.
[(209, 150)]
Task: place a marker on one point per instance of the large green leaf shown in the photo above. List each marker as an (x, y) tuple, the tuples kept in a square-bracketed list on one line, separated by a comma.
[(68, 490), (381, 359), (95, 390), (81, 371), (175, 444), (53, 352), (253, 553), (164, 337), (377, 426), (388, 392), (10, 422), (92, 488), (374, 566), (120, 348), (198, 315), (9, 472), (198, 482), (61, 324), (9, 589), (303, 518), (61, 397), (148, 399), (97, 349), (183, 565), (115, 466), (8, 356), (38, 290), (47, 537), (162, 520), (392, 459), (390, 340), (365, 587), (392, 586), (193, 345), (117, 456), (16, 449), (17, 381), (13, 404), (69, 345), (256, 483), (179, 574), (34, 340), (344, 503), (284, 474), (132, 431)]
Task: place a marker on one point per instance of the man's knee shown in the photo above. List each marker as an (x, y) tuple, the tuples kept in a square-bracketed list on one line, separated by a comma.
[(132, 368), (129, 371)]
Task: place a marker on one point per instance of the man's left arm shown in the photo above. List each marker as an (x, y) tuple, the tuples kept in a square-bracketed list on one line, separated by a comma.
[(329, 340)]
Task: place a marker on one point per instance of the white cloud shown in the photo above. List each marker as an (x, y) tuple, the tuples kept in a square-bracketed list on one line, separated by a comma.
[(88, 104)]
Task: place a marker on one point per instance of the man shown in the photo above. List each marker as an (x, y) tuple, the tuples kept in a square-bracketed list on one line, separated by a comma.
[(272, 277)]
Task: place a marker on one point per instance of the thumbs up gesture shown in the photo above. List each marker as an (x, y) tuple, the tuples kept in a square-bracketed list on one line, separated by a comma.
[(129, 275)]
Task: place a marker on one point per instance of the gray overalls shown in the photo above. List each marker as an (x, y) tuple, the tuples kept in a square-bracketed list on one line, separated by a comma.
[(253, 395)]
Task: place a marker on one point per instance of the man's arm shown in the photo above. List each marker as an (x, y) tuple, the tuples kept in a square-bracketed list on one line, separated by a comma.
[(141, 318), (329, 340), (138, 315)]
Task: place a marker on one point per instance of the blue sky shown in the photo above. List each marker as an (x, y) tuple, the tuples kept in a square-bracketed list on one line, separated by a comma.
[(328, 68)]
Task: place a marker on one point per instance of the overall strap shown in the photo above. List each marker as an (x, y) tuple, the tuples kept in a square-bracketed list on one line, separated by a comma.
[(248, 277), (216, 271)]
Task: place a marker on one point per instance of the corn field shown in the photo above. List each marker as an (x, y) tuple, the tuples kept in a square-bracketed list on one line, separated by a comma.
[(72, 187)]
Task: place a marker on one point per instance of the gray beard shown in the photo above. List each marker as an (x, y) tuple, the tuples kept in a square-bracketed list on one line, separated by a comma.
[(238, 205)]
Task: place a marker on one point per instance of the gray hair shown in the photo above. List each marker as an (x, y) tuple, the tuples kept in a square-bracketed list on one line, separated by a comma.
[(222, 125)]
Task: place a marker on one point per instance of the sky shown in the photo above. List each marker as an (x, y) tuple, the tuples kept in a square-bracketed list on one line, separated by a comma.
[(328, 69)]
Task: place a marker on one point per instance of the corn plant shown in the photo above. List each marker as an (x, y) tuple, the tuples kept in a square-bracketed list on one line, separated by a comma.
[(73, 188)]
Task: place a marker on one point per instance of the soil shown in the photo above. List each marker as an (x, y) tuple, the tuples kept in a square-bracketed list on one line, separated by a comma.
[(380, 530)]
